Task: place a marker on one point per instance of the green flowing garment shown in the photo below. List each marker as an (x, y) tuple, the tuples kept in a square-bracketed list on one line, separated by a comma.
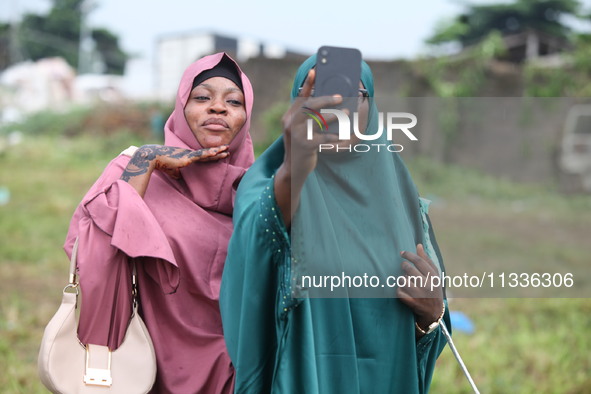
[(354, 208)]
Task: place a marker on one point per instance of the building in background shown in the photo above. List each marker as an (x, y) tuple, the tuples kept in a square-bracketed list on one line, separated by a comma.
[(174, 52)]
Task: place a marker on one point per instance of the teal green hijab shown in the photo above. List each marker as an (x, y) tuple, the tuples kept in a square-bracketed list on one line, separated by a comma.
[(357, 212)]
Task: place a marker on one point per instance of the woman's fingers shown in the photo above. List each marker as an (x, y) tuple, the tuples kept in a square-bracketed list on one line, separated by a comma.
[(419, 267), (171, 159), (420, 260), (410, 269), (220, 155), (299, 118), (216, 153), (308, 84), (306, 107), (420, 293), (323, 102)]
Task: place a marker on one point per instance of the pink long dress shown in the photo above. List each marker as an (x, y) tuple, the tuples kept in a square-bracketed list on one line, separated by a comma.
[(178, 236)]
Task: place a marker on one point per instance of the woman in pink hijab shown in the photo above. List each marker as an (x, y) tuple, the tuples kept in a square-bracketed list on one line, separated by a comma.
[(169, 208)]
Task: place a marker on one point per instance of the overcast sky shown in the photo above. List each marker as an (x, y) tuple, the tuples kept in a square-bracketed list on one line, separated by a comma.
[(383, 29)]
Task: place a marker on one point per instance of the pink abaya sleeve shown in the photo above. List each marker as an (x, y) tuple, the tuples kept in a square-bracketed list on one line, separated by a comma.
[(113, 225)]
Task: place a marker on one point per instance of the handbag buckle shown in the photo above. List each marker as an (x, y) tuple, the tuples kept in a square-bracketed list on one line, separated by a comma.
[(98, 376)]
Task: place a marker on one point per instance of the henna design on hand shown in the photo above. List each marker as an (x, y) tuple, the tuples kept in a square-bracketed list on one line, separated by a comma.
[(166, 158)]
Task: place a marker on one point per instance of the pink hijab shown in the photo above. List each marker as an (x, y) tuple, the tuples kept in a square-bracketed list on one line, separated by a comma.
[(178, 234), (221, 175)]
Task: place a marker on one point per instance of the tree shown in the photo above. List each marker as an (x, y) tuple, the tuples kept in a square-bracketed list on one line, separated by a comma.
[(4, 45), (479, 20), (107, 45), (58, 34)]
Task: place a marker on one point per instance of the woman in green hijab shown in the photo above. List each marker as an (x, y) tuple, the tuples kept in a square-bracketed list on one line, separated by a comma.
[(331, 215)]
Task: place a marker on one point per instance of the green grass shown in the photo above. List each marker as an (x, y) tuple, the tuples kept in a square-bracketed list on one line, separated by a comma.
[(519, 346)]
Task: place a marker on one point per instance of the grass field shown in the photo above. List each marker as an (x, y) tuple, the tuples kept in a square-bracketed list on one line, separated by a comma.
[(520, 345)]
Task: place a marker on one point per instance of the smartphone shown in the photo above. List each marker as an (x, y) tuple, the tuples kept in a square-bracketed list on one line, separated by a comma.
[(338, 71)]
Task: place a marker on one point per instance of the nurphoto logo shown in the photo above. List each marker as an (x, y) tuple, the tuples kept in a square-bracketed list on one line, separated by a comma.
[(344, 124)]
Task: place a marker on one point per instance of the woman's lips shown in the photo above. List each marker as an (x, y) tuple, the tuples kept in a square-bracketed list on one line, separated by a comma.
[(215, 124)]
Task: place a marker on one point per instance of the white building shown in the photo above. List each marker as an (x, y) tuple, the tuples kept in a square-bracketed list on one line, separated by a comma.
[(174, 52)]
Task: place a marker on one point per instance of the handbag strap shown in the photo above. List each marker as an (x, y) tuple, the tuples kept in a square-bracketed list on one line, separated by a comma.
[(134, 287), (73, 277), (73, 282), (130, 152)]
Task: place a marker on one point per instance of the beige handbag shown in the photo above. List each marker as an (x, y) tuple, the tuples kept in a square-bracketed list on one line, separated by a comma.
[(67, 366)]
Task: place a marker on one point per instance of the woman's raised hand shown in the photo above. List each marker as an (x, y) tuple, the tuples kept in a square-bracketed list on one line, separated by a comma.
[(301, 152), (421, 295), (168, 159)]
